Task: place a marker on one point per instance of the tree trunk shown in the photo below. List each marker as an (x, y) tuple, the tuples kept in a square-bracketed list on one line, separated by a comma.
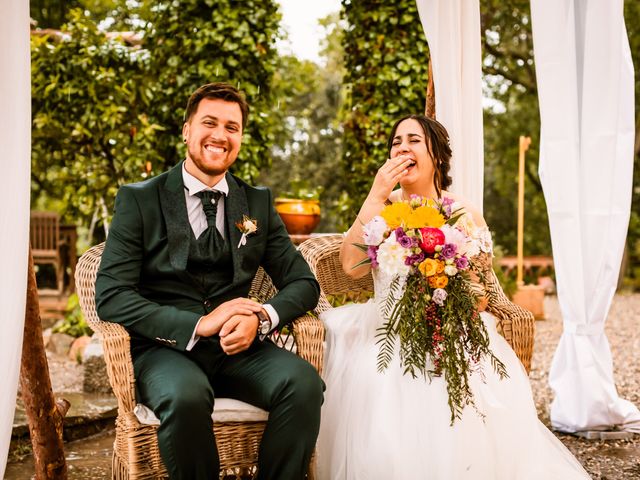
[(430, 108), (44, 415)]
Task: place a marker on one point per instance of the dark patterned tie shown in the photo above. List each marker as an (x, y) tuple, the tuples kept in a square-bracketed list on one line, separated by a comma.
[(209, 201)]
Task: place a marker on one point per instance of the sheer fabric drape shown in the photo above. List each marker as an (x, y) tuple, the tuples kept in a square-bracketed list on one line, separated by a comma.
[(452, 28), (586, 92), (15, 155)]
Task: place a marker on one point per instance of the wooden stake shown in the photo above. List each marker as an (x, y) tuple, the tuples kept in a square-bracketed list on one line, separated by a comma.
[(524, 146), (43, 414), (430, 107)]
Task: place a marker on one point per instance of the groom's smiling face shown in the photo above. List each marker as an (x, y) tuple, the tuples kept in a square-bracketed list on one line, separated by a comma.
[(213, 135)]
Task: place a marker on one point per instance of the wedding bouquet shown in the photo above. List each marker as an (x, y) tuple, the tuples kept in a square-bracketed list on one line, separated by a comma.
[(431, 312)]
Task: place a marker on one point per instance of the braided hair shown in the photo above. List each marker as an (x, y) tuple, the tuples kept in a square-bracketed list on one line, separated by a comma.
[(437, 140)]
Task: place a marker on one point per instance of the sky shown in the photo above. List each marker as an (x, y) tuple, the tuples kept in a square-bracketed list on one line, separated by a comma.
[(300, 19)]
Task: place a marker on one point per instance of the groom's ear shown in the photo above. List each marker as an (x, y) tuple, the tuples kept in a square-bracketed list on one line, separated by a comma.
[(185, 131)]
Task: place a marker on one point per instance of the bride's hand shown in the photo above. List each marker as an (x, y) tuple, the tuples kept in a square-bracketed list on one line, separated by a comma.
[(388, 177)]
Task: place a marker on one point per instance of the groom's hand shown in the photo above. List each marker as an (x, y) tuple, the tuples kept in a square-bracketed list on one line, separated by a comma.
[(213, 322), (238, 333)]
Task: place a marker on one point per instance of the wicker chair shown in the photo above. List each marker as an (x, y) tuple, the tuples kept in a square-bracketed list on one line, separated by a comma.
[(135, 451), (322, 254)]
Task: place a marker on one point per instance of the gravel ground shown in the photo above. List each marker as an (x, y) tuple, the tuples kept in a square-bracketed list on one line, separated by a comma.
[(605, 460)]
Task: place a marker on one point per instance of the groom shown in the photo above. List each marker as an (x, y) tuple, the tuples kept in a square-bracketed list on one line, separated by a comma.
[(176, 271)]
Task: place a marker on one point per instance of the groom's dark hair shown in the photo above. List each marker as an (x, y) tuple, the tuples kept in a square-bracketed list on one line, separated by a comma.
[(437, 139), (221, 91)]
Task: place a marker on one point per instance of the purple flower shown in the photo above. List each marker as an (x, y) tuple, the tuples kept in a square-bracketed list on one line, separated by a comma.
[(449, 251), (406, 241), (372, 253), (400, 233), (446, 205), (462, 263), (414, 259)]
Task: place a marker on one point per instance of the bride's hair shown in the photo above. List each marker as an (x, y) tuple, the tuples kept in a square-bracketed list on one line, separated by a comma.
[(437, 140)]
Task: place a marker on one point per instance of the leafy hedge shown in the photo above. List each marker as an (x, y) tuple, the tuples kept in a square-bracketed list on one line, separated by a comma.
[(386, 63), (104, 111)]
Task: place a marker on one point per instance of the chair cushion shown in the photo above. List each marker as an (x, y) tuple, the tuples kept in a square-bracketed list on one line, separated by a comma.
[(224, 410)]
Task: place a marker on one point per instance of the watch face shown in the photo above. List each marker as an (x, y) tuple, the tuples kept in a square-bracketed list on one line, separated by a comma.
[(264, 327)]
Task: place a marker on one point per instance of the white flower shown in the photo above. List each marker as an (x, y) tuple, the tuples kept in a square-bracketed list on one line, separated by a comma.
[(471, 249), (249, 227), (466, 245), (439, 296), (453, 235), (374, 231), (483, 237), (391, 257), (450, 270)]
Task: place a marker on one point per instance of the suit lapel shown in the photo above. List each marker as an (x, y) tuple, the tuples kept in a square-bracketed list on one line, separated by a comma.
[(235, 207), (174, 209)]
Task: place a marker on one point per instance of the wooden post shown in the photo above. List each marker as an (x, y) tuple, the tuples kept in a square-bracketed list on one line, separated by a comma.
[(430, 107), (524, 146), (43, 414)]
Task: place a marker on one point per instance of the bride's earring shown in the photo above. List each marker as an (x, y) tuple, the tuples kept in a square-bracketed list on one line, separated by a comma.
[(184, 140)]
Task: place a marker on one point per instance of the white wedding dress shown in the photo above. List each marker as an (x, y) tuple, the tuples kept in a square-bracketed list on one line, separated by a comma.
[(390, 426)]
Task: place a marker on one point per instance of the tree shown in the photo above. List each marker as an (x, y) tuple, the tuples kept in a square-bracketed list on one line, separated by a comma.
[(193, 42), (307, 148), (386, 64), (106, 112), (91, 131)]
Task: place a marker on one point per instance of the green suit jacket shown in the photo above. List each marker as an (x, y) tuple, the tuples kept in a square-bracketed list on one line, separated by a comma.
[(142, 282)]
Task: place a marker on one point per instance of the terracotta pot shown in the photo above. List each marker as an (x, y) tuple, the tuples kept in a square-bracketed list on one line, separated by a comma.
[(300, 216)]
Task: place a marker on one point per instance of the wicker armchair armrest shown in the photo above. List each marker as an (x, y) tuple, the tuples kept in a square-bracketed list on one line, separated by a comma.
[(514, 322), (308, 332), (518, 324), (115, 339), (117, 356)]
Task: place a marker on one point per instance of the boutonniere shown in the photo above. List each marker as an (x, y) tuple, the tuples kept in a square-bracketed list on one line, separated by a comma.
[(247, 227)]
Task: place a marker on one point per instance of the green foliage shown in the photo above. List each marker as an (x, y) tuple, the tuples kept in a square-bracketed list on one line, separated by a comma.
[(511, 83), (386, 64), (307, 149), (74, 323), (632, 20), (91, 131), (107, 113), (193, 42)]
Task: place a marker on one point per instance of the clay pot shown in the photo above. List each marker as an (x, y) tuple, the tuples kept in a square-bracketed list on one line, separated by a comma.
[(300, 216)]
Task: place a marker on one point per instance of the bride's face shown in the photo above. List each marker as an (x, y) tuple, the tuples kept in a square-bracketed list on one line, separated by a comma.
[(410, 140)]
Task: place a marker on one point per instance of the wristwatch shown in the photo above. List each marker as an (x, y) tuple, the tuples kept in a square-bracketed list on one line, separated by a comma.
[(264, 323)]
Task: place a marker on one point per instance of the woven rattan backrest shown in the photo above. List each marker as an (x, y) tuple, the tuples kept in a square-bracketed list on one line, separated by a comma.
[(323, 255)]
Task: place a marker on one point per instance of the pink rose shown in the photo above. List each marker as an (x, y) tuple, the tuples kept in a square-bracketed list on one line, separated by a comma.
[(431, 238)]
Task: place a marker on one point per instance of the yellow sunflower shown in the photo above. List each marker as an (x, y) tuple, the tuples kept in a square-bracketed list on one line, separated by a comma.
[(396, 214), (425, 216)]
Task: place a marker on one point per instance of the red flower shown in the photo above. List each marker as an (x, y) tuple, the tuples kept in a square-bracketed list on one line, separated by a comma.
[(431, 238)]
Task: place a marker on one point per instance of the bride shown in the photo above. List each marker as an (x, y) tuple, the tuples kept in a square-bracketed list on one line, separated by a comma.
[(387, 425)]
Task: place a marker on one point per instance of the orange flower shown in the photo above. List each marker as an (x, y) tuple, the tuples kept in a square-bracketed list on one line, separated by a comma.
[(428, 267), (438, 281), (440, 267)]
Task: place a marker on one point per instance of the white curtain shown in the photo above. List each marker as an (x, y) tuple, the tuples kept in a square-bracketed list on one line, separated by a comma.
[(585, 84), (15, 155), (452, 28)]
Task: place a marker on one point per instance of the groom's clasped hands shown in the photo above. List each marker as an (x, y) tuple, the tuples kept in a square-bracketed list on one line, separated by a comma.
[(236, 323)]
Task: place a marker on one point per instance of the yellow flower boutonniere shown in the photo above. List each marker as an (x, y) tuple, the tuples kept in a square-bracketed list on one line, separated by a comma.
[(247, 227)]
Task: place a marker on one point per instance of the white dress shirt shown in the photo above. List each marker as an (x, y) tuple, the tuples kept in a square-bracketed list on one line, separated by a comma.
[(198, 222)]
